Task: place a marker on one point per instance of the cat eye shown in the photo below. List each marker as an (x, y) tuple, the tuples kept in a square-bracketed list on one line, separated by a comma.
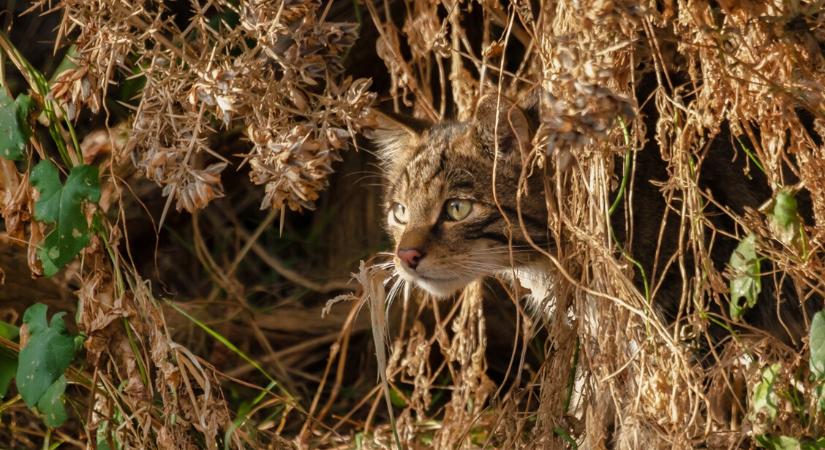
[(399, 213), (458, 208)]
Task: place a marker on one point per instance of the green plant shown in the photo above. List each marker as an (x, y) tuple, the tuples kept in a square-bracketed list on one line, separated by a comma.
[(41, 365)]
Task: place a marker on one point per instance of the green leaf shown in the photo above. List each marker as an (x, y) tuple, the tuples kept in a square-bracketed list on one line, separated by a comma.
[(8, 367), (63, 206), (764, 398), (817, 444), (103, 436), (817, 344), (784, 218), (51, 403), (9, 331), (68, 62), (784, 209), (14, 125), (43, 361), (777, 442), (131, 87), (746, 282), (562, 433), (8, 361), (789, 443), (397, 399)]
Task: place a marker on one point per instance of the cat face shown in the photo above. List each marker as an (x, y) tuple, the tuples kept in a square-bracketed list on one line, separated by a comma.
[(448, 225)]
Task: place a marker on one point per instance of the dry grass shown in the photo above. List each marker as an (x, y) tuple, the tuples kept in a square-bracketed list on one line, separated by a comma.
[(204, 328)]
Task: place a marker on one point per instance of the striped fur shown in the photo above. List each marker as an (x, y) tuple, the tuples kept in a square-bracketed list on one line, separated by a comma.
[(455, 160)]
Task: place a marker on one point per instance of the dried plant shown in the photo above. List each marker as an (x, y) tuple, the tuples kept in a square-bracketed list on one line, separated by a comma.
[(277, 78)]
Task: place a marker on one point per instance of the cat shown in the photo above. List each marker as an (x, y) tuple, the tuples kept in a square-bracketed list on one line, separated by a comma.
[(452, 211), (449, 226)]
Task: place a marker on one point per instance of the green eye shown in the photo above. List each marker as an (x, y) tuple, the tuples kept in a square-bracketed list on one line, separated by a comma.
[(458, 209), (399, 213)]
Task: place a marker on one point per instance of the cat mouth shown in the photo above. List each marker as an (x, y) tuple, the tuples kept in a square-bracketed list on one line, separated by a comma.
[(437, 286), (434, 279), (417, 277)]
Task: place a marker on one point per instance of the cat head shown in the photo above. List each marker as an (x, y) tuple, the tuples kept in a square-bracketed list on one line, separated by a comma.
[(448, 224)]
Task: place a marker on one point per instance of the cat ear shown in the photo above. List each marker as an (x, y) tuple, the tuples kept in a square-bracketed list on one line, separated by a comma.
[(396, 135), (513, 131)]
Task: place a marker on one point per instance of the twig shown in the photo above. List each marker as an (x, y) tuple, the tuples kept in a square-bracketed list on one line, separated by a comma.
[(277, 265)]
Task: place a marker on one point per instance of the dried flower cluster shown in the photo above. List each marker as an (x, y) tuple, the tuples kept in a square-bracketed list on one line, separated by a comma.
[(294, 164), (273, 69), (584, 73)]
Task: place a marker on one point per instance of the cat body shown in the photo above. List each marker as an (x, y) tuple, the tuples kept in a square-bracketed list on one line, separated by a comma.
[(461, 205)]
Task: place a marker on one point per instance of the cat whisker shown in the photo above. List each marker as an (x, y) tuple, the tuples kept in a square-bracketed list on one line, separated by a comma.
[(510, 246), (498, 252), (372, 178), (507, 247), (376, 173), (393, 293), (515, 248), (475, 269), (474, 263)]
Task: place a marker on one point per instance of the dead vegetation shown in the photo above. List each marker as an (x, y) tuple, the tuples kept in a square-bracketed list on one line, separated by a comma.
[(207, 326)]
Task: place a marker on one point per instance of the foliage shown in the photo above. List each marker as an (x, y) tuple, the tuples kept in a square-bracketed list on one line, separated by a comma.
[(62, 205), (14, 127), (817, 344), (42, 363), (789, 443), (764, 397), (8, 361), (746, 282), (784, 219)]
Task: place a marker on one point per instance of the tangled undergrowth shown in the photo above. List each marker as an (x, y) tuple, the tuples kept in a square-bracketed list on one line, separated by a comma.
[(208, 325)]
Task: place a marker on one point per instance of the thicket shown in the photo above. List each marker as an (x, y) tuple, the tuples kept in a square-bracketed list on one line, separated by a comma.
[(185, 185)]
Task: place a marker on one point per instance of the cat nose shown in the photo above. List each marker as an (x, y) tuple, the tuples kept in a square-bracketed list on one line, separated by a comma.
[(410, 256)]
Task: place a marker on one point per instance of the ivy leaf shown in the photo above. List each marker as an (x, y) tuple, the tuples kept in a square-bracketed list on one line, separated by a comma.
[(14, 125), (764, 398), (746, 282), (49, 351), (63, 206), (784, 218), (8, 361), (51, 403), (817, 344)]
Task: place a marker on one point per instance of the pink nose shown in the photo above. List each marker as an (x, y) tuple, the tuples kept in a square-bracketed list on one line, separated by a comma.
[(410, 256)]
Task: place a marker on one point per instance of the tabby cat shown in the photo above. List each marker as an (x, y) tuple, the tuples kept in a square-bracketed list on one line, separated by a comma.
[(450, 227)]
